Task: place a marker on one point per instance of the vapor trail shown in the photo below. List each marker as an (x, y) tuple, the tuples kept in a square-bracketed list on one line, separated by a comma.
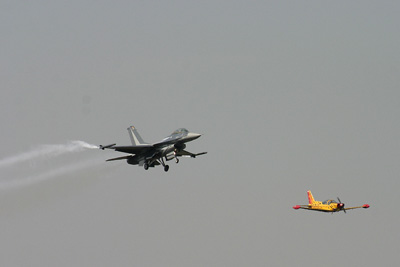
[(46, 151)]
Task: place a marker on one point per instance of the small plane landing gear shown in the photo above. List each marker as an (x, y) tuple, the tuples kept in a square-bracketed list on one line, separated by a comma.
[(146, 166), (176, 160), (166, 168)]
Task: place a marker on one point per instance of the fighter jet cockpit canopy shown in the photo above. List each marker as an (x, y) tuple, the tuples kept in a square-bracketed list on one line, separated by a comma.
[(180, 131)]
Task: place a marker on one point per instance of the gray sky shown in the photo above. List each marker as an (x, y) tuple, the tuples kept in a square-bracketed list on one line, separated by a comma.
[(289, 96)]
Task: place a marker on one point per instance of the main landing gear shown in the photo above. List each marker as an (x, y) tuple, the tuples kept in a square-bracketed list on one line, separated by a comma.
[(166, 167), (146, 165), (161, 161)]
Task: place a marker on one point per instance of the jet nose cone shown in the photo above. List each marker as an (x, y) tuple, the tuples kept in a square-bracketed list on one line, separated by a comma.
[(192, 136)]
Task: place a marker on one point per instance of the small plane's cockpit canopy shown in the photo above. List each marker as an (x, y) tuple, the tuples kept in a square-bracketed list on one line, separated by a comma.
[(181, 131), (327, 202)]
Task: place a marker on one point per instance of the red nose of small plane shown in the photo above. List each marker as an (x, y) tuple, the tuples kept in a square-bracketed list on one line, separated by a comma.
[(340, 205)]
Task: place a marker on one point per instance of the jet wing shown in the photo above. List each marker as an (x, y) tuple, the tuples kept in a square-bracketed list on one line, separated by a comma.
[(184, 153), (133, 149), (164, 143)]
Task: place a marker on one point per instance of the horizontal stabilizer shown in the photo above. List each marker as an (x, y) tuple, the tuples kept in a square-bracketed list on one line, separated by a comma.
[(119, 158)]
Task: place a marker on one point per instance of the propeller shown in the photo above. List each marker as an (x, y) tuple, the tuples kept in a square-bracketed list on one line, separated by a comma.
[(340, 205)]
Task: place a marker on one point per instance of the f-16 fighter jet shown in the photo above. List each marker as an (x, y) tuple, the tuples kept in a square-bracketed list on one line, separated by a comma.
[(150, 155)]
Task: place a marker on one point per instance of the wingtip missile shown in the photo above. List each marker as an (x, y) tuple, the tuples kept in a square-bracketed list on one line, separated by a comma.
[(198, 154), (107, 146)]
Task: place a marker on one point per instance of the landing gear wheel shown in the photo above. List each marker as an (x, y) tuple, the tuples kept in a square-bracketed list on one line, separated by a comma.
[(146, 166), (166, 168), (177, 160)]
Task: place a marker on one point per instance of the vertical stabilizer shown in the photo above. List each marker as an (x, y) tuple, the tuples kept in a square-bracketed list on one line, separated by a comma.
[(310, 197), (136, 139)]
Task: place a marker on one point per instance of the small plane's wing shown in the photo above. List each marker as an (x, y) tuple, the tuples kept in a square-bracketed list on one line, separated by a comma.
[(133, 149), (365, 206), (306, 207), (184, 153)]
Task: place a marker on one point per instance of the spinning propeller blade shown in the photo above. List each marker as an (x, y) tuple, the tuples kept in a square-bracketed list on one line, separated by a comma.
[(341, 205)]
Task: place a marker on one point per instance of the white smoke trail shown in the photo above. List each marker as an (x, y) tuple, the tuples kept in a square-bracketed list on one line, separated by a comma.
[(15, 172), (55, 172), (46, 151)]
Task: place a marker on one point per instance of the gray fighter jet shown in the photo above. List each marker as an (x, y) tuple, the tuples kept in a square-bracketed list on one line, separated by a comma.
[(150, 155)]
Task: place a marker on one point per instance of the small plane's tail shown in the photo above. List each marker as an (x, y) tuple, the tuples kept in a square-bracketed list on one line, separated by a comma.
[(310, 197), (136, 139)]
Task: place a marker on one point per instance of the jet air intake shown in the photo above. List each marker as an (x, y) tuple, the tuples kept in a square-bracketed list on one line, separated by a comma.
[(180, 146)]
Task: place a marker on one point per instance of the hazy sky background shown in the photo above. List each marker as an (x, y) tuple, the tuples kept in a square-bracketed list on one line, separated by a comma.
[(289, 96)]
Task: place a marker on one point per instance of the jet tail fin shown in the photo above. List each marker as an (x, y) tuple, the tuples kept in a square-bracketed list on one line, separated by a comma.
[(310, 197), (136, 139)]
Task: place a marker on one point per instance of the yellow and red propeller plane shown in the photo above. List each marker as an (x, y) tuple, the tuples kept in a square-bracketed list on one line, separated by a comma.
[(329, 205)]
